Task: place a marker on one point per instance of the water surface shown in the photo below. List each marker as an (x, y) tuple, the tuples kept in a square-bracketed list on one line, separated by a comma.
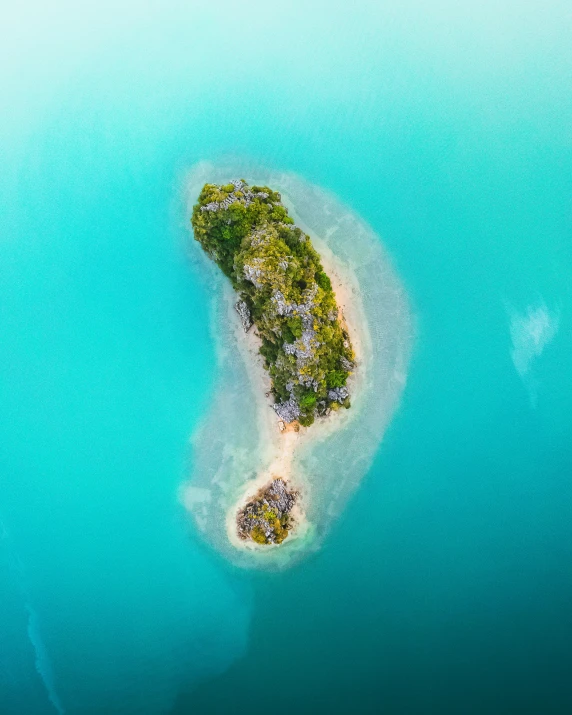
[(445, 585)]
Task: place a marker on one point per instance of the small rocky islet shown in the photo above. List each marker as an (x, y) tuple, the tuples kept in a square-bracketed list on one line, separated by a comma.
[(286, 294), (267, 518)]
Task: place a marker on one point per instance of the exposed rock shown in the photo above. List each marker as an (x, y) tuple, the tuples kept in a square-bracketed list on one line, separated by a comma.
[(266, 519), (244, 314), (244, 195), (254, 272), (338, 394), (287, 411), (308, 381), (346, 364), (283, 307)]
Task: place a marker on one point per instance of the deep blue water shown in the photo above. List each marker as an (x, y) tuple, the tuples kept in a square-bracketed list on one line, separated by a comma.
[(446, 586)]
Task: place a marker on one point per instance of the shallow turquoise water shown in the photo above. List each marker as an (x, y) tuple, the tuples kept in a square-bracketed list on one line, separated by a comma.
[(446, 585)]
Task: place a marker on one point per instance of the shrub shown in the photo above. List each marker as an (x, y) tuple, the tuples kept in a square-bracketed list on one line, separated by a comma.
[(306, 420), (323, 280), (308, 401), (336, 378)]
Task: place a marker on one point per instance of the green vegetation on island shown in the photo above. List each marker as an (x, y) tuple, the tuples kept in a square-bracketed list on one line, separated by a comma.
[(267, 519), (284, 290)]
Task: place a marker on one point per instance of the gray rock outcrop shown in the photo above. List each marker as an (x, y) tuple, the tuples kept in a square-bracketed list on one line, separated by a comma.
[(287, 411), (266, 518), (244, 314), (338, 394)]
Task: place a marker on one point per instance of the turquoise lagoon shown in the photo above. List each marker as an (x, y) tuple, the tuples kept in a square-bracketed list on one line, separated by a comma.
[(444, 584)]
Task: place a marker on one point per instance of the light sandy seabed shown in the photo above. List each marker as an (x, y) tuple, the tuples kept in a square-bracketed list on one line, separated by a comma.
[(239, 448)]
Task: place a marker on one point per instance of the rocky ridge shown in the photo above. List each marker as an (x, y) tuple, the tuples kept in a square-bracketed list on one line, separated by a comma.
[(267, 518)]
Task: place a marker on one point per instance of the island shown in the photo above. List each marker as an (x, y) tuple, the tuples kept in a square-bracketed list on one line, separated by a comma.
[(267, 519), (285, 293)]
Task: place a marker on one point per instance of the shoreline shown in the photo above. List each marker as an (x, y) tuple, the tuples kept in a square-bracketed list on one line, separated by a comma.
[(278, 448)]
